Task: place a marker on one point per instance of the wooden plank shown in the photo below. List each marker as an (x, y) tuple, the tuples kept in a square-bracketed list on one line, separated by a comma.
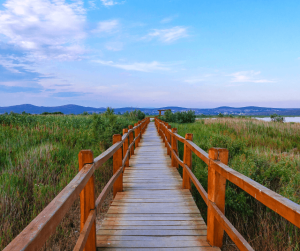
[(153, 200), (160, 204), (131, 227), (152, 232), (150, 238), (117, 210), (153, 212), (130, 217), (163, 249), (152, 244), (153, 222)]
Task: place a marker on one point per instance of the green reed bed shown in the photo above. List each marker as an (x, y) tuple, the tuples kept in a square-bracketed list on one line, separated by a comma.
[(38, 158), (268, 153)]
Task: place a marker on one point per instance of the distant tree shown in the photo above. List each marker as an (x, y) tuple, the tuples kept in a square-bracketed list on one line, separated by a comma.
[(85, 113), (109, 111), (277, 118)]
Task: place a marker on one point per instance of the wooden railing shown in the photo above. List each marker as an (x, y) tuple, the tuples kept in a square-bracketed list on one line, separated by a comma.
[(218, 174), (39, 230)]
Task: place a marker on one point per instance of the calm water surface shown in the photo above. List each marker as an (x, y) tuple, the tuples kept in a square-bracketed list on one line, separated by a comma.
[(287, 119)]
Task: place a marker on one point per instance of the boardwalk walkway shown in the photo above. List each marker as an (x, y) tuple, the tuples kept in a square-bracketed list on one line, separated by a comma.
[(153, 212)]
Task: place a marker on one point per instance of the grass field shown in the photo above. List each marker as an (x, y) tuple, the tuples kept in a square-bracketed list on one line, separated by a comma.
[(38, 158), (268, 153)]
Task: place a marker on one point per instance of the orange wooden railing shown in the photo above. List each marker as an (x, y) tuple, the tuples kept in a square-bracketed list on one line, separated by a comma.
[(39, 230), (218, 174)]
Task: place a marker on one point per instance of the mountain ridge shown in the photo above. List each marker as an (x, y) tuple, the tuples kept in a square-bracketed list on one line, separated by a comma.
[(77, 109)]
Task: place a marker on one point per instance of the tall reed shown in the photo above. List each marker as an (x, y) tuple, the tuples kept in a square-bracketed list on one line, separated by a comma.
[(268, 153)]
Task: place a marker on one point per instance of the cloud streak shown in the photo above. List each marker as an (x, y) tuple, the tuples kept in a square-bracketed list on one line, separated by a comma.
[(248, 77), (139, 66), (108, 26), (47, 28), (168, 35), (109, 2)]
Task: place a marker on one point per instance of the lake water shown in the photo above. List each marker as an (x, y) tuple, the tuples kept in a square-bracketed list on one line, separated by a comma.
[(286, 119)]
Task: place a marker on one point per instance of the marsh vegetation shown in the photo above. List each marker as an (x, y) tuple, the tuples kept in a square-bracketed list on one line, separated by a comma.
[(38, 158), (268, 153)]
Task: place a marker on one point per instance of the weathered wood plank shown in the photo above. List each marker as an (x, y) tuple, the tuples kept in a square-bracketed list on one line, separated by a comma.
[(153, 212), (163, 249), (152, 217), (152, 232), (152, 223), (152, 244)]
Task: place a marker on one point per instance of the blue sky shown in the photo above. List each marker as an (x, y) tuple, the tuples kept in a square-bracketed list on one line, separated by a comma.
[(144, 53)]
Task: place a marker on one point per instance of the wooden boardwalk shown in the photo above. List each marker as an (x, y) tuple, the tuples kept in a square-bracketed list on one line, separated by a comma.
[(153, 212)]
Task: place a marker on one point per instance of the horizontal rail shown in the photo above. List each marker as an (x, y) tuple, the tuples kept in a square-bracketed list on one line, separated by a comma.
[(287, 208), (80, 244), (281, 205), (234, 235), (108, 186), (39, 230)]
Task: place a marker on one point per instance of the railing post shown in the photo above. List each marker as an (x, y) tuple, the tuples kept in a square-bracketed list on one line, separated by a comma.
[(165, 136), (216, 194), (139, 132), (131, 140), (174, 147), (158, 127), (163, 132), (187, 159), (169, 139), (136, 143), (87, 199), (125, 148), (117, 163)]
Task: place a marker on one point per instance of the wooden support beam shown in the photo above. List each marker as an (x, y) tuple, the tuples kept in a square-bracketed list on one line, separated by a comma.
[(131, 140), (117, 163), (174, 144), (87, 199), (216, 194), (125, 147), (169, 139), (187, 159), (136, 143)]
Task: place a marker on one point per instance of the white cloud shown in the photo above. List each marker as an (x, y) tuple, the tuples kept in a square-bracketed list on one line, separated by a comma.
[(114, 46), (109, 2), (248, 76), (107, 26), (167, 19), (45, 27), (194, 80), (143, 67), (92, 4), (169, 35)]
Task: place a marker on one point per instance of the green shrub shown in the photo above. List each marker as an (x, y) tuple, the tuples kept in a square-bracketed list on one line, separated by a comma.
[(179, 117), (277, 118), (136, 114)]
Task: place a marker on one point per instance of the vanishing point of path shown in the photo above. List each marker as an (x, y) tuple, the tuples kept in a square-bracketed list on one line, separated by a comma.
[(153, 212)]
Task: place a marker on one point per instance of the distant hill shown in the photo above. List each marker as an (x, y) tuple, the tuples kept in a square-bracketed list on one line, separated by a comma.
[(76, 109)]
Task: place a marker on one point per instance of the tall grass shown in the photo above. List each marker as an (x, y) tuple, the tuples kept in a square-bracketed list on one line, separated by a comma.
[(268, 153), (38, 158)]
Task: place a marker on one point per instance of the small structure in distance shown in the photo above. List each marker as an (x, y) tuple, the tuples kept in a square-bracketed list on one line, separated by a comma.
[(163, 110)]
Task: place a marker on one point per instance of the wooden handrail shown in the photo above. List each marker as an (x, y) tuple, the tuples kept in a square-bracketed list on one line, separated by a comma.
[(281, 205), (40, 229)]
